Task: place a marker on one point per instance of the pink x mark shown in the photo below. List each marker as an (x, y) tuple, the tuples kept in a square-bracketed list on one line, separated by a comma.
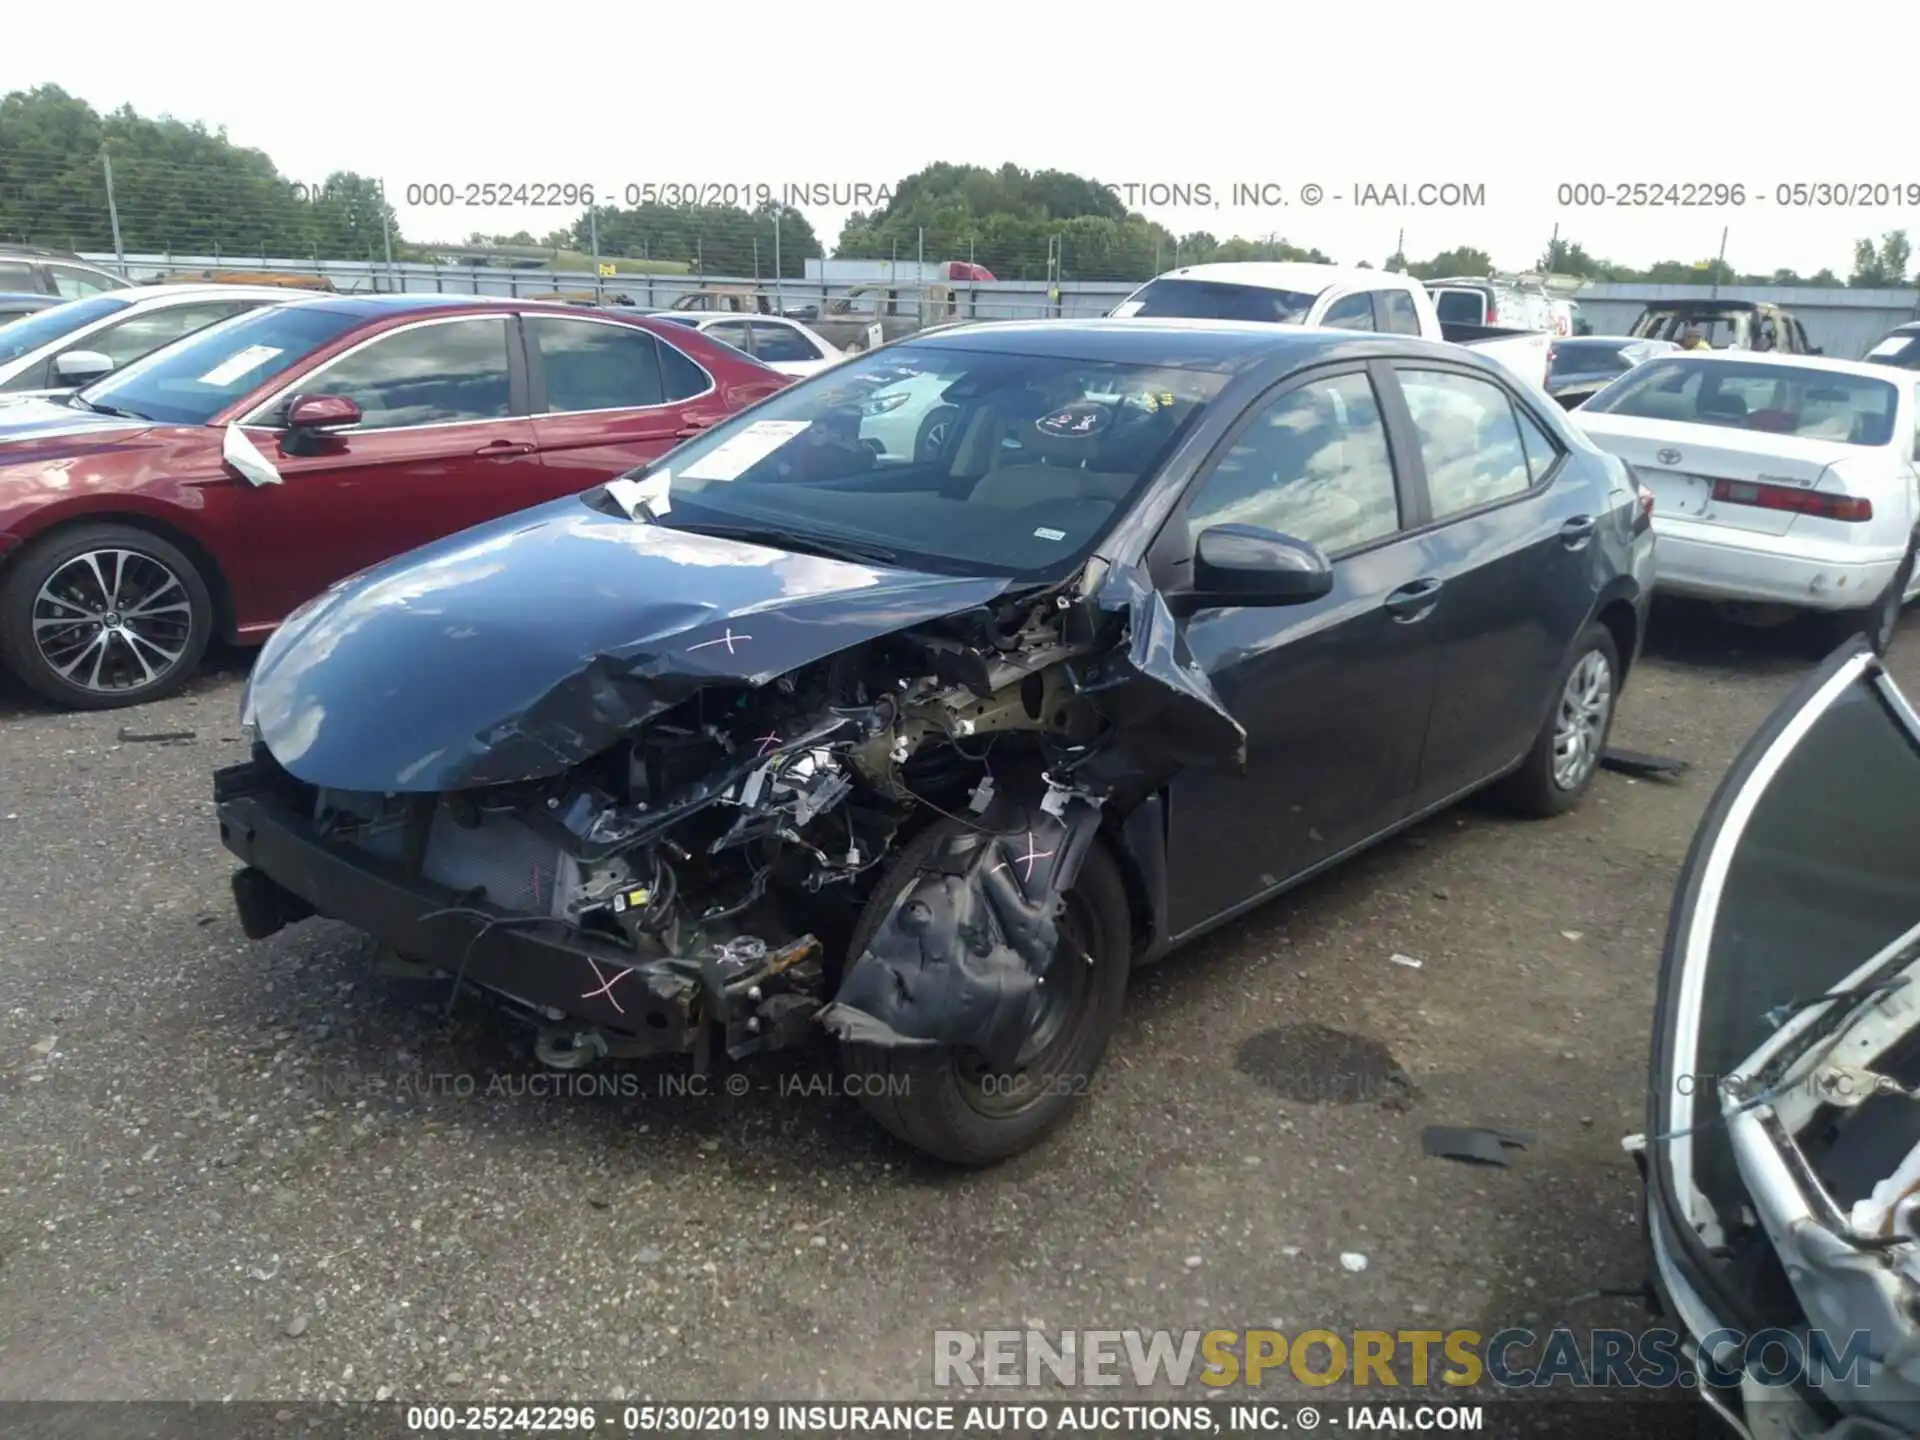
[(606, 985), (768, 742), (729, 640), (1027, 859)]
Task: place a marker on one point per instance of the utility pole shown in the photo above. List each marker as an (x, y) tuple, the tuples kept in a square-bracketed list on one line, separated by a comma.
[(593, 242), (386, 230), (113, 212), (1719, 264), (779, 300)]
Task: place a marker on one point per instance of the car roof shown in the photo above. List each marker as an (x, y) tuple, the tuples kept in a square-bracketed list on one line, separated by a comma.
[(1306, 276), (140, 294), (1775, 357), (374, 307), (1225, 345)]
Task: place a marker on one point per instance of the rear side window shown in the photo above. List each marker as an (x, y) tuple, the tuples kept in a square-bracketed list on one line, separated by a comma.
[(1314, 464), (1543, 451), (681, 378), (1353, 313), (18, 278), (596, 367), (1469, 437), (1398, 313)]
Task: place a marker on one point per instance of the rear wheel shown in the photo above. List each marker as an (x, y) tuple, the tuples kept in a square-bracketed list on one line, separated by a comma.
[(946, 1100), (1567, 751), (104, 616)]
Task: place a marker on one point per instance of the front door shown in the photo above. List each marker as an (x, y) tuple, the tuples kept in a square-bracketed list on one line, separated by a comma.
[(443, 443), (1334, 694)]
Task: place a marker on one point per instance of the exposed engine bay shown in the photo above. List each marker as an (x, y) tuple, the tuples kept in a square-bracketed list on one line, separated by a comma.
[(709, 870)]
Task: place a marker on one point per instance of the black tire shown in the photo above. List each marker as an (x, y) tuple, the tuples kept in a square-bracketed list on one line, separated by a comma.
[(933, 1097), (178, 617), (930, 442), (1878, 621), (1539, 788)]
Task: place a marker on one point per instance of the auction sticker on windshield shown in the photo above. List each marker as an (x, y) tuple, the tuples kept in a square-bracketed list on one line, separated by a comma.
[(732, 459), (234, 366)]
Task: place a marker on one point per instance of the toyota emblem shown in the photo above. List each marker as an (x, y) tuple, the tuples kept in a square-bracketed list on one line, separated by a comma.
[(1668, 457)]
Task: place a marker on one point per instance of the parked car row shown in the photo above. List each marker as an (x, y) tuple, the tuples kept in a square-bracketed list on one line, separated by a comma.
[(213, 485)]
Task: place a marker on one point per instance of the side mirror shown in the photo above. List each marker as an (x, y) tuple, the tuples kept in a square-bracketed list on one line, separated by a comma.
[(81, 367), (321, 412), (1245, 565)]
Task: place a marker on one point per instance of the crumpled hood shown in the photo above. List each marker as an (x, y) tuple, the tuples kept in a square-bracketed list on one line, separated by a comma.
[(28, 424), (520, 648)]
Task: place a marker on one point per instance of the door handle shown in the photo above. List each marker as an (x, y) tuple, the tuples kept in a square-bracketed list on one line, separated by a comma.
[(1577, 531), (504, 448), (691, 427), (1414, 602)]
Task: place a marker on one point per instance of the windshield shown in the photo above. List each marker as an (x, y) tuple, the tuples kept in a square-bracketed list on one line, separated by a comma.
[(43, 327), (954, 460), (191, 382), (1769, 399), (1213, 300)]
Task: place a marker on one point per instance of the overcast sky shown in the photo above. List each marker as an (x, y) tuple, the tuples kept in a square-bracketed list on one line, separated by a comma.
[(1517, 98)]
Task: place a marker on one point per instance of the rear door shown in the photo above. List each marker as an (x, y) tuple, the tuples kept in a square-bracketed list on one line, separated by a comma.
[(444, 443), (1334, 695), (1512, 540), (608, 396)]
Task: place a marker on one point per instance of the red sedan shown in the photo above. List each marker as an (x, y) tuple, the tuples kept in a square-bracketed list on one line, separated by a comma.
[(214, 486)]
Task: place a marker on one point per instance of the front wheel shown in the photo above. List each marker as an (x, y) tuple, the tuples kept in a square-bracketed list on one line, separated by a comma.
[(1566, 753), (104, 616), (944, 1099)]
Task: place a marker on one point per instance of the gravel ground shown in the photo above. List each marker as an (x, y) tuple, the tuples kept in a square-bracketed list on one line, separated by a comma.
[(265, 1171)]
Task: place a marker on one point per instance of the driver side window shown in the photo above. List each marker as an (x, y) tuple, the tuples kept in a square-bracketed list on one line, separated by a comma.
[(1314, 464)]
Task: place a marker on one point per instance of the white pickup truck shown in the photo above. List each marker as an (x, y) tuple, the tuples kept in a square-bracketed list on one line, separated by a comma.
[(1333, 297)]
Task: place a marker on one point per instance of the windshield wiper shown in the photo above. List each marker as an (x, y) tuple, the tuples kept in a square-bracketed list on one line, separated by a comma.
[(99, 409), (811, 542)]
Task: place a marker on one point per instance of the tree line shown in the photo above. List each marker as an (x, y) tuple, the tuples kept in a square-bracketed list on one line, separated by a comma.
[(183, 188)]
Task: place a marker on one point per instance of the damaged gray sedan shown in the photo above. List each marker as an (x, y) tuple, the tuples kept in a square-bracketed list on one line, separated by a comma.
[(925, 735)]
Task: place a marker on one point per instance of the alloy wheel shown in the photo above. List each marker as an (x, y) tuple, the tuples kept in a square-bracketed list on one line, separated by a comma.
[(112, 621), (1586, 704)]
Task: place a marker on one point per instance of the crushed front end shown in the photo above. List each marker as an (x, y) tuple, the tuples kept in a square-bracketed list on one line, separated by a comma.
[(699, 880)]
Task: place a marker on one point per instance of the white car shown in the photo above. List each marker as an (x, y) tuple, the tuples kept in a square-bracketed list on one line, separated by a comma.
[(56, 350), (775, 341), (1787, 482), (1333, 297)]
